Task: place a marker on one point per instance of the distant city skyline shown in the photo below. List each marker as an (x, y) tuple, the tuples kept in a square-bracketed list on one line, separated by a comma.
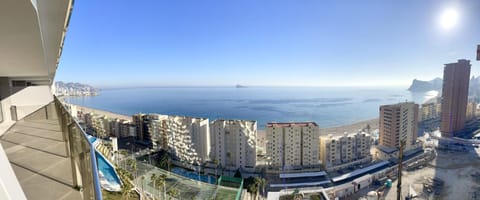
[(267, 43)]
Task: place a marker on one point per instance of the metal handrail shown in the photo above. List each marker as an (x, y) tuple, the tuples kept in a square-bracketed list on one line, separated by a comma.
[(96, 181)]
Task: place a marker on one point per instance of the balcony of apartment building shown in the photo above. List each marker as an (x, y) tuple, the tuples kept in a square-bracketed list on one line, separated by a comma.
[(49, 154), (44, 154)]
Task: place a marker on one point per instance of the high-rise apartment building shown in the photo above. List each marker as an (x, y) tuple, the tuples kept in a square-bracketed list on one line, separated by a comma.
[(186, 138), (234, 143), (142, 122), (158, 130), (293, 145), (398, 122), (342, 151), (456, 77), (430, 111), (471, 111)]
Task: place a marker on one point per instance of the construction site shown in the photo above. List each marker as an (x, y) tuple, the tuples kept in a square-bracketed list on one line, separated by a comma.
[(454, 173)]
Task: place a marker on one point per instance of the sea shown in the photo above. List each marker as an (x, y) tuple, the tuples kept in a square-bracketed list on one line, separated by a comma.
[(327, 106)]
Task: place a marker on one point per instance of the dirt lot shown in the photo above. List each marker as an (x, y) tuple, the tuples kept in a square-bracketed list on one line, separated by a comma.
[(451, 175)]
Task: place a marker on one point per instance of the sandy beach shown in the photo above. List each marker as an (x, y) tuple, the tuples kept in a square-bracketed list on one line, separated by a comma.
[(350, 128), (102, 112)]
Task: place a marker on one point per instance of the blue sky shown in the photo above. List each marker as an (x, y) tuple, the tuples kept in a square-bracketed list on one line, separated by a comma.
[(268, 42)]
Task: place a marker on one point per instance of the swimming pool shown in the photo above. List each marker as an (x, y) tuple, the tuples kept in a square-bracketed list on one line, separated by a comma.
[(194, 175), (91, 139), (108, 177), (106, 172)]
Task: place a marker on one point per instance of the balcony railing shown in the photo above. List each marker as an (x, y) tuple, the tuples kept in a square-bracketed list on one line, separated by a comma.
[(81, 152)]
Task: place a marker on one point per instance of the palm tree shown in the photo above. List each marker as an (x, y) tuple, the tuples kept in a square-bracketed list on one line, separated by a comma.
[(153, 178), (126, 190), (256, 183), (116, 157), (216, 167), (134, 169), (165, 161), (173, 193), (162, 181), (142, 178), (263, 183)]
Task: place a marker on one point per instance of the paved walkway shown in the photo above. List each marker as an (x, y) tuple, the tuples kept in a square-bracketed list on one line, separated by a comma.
[(37, 154)]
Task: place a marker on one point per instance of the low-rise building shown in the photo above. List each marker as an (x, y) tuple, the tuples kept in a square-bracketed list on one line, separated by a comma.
[(234, 143), (292, 146), (338, 152)]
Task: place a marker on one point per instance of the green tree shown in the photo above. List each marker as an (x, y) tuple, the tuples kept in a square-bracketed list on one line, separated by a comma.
[(126, 187), (153, 178), (263, 183), (142, 179), (173, 193), (162, 182), (165, 160)]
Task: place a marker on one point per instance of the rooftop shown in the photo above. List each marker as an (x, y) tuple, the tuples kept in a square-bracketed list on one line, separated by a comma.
[(290, 124)]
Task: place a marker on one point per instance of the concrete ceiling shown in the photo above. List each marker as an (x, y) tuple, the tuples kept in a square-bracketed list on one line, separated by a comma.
[(31, 36)]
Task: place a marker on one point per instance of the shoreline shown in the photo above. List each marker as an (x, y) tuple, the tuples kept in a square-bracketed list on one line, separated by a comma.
[(109, 114), (350, 128), (336, 130)]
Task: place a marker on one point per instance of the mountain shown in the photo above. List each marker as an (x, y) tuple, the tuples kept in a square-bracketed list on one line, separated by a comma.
[(423, 86), (74, 89), (436, 84)]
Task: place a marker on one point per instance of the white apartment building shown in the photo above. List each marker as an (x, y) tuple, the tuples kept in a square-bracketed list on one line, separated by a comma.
[(234, 143), (293, 145), (186, 138), (338, 152), (158, 130)]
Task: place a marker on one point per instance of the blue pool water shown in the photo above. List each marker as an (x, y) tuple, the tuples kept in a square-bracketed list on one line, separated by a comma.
[(194, 175), (92, 139), (107, 170), (104, 167)]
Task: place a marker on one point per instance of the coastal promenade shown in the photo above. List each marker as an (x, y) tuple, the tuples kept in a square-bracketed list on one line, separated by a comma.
[(350, 128), (102, 112), (338, 130)]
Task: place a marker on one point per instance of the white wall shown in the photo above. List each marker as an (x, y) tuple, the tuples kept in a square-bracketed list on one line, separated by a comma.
[(27, 101)]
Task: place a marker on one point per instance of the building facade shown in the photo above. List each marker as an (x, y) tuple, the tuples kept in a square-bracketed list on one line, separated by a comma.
[(186, 138), (338, 152), (456, 77), (293, 145), (471, 111), (158, 130), (430, 111), (398, 122), (234, 143)]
